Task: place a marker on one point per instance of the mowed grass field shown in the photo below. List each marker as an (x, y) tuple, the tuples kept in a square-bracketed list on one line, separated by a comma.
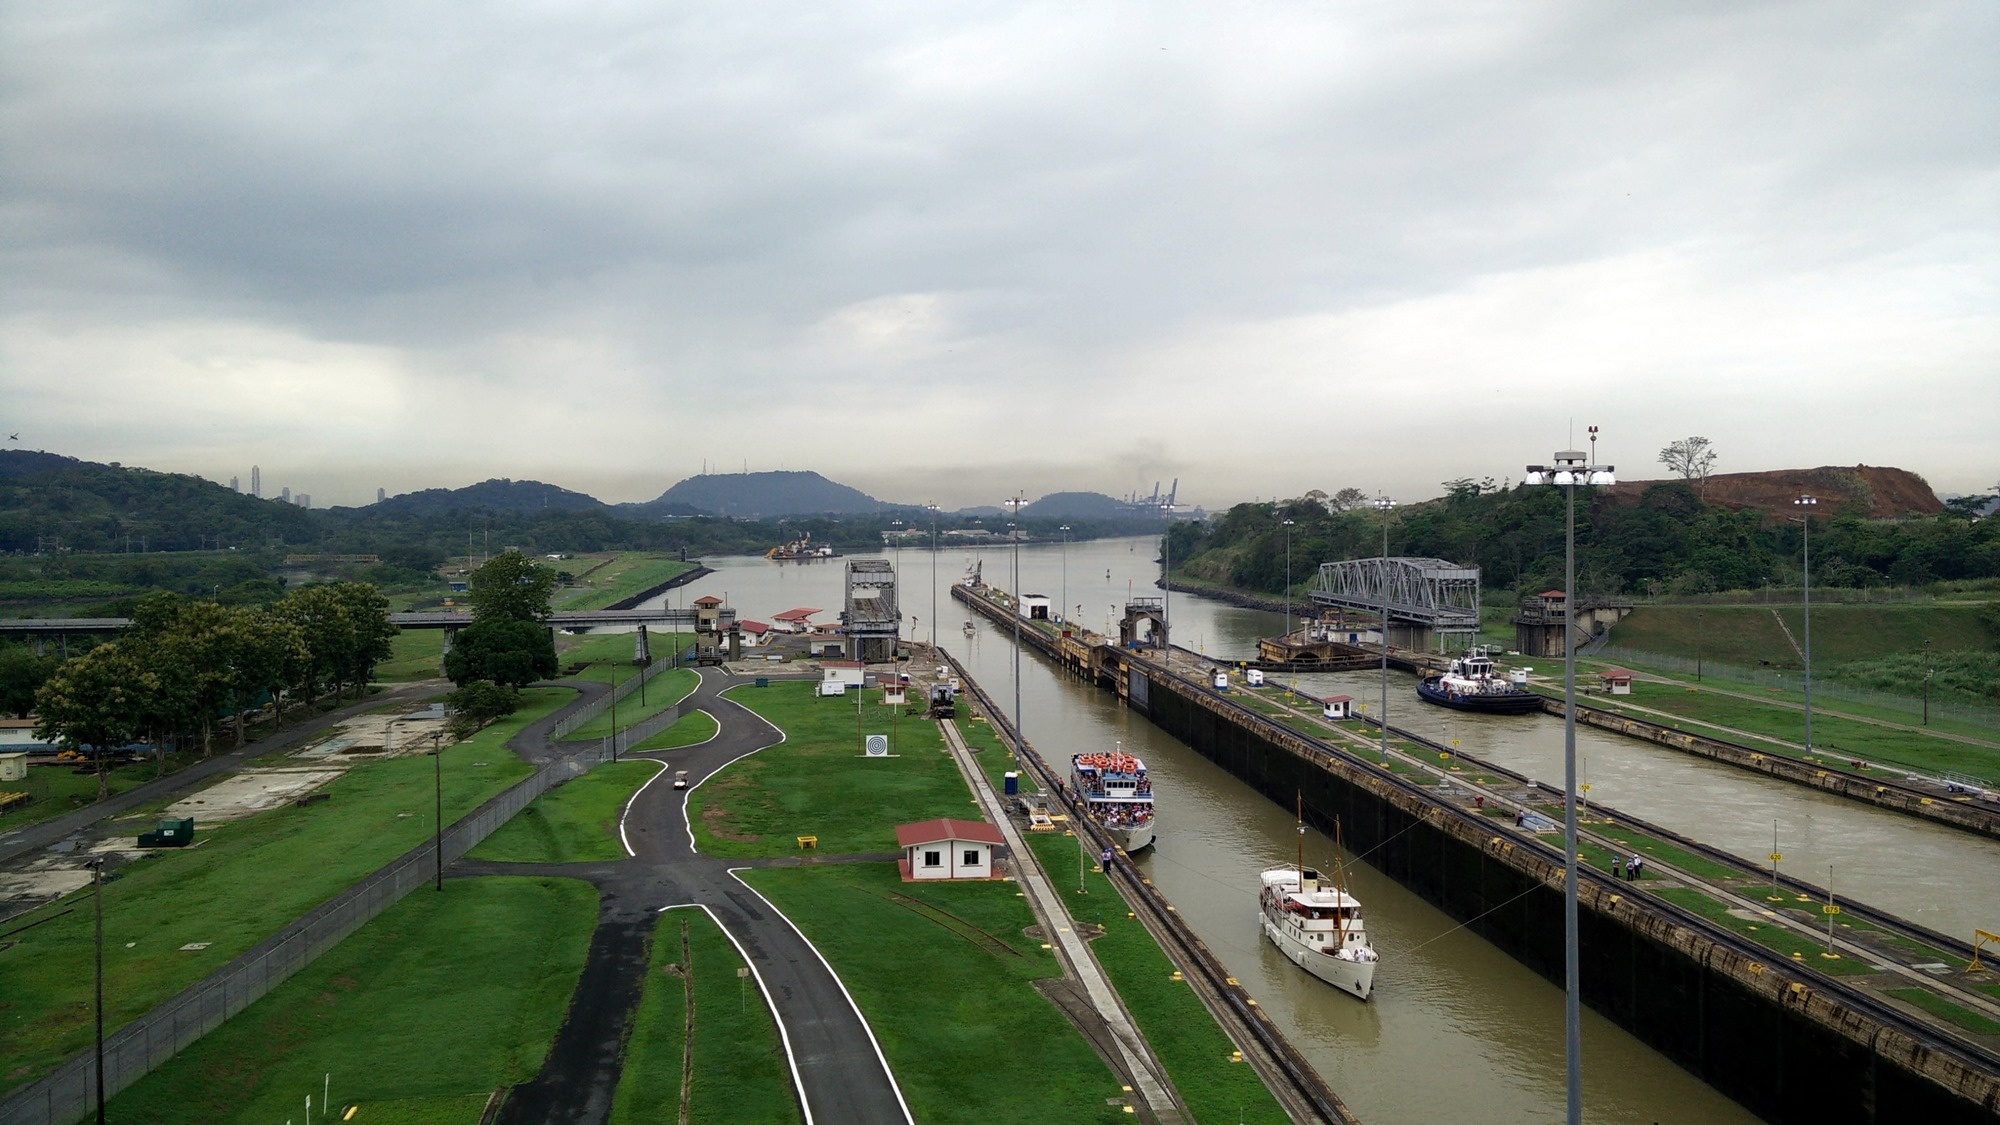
[(1173, 1019), (976, 1043), (818, 783), (574, 822), (624, 575), (691, 729), (240, 882), (416, 1017), (739, 1070), (1749, 635), (663, 692)]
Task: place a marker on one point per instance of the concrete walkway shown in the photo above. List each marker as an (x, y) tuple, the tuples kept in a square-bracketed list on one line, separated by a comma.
[(838, 1071), (1153, 1092)]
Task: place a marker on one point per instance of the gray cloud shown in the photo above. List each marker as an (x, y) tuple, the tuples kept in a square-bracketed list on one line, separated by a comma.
[(979, 247)]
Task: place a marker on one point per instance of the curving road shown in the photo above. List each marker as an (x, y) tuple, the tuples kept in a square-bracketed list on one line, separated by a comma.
[(838, 1071)]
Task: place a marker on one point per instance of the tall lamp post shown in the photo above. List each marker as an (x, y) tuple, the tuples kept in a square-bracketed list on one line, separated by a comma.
[(933, 508), (1927, 681), (1288, 576), (437, 773), (1167, 575), (1014, 533), (1062, 606), (1570, 473), (1383, 504), (97, 897), (1805, 505)]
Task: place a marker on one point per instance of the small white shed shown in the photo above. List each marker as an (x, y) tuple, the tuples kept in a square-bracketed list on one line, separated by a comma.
[(14, 766), (1337, 707), (846, 673), (949, 849)]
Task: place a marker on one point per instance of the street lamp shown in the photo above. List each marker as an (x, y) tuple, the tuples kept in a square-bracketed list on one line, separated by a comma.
[(933, 508), (1014, 533), (437, 772), (1383, 504), (1927, 681), (97, 895), (1167, 576), (1805, 504), (1570, 472), (1288, 578), (1063, 605)]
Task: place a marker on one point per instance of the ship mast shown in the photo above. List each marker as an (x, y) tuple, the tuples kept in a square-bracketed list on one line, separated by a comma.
[(1339, 888)]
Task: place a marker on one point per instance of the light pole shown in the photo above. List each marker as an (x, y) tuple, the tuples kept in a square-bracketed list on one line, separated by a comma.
[(1063, 605), (1167, 577), (1571, 473), (1805, 505), (934, 511), (1383, 504), (437, 773), (1700, 627), (97, 895), (1014, 533), (1927, 681), (1288, 577)]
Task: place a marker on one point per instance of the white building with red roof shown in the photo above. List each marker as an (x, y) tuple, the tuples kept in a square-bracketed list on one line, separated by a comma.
[(794, 620), (949, 849)]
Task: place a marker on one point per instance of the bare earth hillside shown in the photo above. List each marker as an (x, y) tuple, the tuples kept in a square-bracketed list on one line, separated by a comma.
[(1874, 491)]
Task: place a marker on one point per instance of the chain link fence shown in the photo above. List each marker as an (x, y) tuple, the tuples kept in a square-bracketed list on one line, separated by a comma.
[(69, 1094), (589, 711), (1792, 683)]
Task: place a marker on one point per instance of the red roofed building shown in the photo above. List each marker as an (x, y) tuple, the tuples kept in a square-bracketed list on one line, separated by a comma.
[(1337, 707), (1617, 680), (708, 600), (949, 849), (793, 621)]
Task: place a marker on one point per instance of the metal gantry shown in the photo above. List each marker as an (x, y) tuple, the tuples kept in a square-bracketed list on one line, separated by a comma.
[(1437, 595), (874, 623)]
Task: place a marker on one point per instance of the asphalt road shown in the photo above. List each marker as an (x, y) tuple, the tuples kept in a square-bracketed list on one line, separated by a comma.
[(838, 1072)]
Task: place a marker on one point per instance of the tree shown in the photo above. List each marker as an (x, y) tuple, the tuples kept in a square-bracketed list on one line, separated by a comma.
[(1692, 458), (511, 587), (22, 673), (98, 700), (346, 630), (478, 703), (514, 653)]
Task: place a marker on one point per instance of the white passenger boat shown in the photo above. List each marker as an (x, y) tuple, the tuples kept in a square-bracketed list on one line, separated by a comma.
[(1317, 924), (1117, 794)]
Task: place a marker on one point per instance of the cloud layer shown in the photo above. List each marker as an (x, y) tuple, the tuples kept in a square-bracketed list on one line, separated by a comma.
[(944, 252)]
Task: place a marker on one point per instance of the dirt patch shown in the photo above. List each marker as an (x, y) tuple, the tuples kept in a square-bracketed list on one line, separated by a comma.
[(717, 822), (1873, 491)]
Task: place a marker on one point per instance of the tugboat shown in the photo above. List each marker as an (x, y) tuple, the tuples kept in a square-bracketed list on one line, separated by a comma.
[(1316, 925), (1471, 684), (1116, 794)]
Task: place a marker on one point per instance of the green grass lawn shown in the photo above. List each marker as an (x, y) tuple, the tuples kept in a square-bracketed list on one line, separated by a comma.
[(58, 789), (1653, 848), (572, 823), (1944, 1009), (417, 1016), (414, 654), (608, 656), (1767, 932), (817, 783), (1838, 738), (622, 577), (740, 1073), (691, 729), (1173, 1019), (237, 884), (972, 1041), (663, 691), (1749, 634)]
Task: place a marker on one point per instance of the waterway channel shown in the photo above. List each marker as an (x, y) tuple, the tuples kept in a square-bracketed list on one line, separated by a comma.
[(1456, 1029)]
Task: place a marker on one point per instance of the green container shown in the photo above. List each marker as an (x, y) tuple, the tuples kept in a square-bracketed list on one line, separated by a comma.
[(763, 681), (169, 833)]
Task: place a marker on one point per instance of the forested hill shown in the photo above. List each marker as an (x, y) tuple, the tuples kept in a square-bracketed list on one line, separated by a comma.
[(51, 502), (762, 496), (497, 495), (1665, 539)]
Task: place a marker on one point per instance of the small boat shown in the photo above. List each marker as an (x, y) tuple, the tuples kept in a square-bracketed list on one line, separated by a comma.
[(1316, 925), (1472, 684), (802, 549), (968, 628), (1116, 794)]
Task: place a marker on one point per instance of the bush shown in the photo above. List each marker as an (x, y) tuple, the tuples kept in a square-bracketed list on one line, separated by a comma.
[(478, 703)]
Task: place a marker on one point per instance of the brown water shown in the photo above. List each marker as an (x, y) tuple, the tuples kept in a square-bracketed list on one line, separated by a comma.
[(1456, 1029)]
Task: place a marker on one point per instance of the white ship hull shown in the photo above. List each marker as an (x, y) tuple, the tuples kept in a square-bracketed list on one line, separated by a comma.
[(1354, 977), (1133, 839)]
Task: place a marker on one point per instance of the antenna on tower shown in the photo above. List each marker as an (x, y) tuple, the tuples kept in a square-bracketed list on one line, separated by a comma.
[(1593, 445)]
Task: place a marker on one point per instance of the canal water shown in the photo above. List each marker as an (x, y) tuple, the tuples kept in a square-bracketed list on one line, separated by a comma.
[(1456, 1029)]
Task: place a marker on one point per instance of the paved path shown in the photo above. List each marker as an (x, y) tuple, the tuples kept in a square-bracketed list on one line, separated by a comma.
[(35, 837), (838, 1071), (1133, 1058)]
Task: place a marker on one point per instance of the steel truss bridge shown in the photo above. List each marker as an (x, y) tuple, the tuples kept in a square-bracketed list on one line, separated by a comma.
[(1435, 594)]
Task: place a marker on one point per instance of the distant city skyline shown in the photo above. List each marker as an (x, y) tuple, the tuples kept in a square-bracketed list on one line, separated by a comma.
[(953, 252)]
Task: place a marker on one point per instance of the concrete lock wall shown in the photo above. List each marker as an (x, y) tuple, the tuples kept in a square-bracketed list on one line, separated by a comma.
[(1751, 1030)]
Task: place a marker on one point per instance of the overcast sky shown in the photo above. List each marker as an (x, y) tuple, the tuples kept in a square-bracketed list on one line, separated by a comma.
[(947, 251)]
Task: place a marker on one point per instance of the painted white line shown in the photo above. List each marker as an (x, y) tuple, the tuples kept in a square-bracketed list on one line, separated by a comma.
[(688, 820), (627, 810), (736, 874), (784, 1037)]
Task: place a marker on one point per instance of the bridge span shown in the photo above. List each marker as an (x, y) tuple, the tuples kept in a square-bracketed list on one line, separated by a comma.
[(415, 619)]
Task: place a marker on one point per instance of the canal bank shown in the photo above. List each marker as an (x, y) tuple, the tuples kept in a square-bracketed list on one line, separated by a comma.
[(1785, 1043)]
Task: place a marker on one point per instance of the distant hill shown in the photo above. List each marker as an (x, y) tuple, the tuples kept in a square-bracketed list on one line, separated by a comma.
[(1075, 506), (48, 501), (761, 496), (1872, 491), (496, 495)]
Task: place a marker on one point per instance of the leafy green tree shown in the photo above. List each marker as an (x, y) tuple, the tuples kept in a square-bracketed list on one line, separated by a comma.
[(504, 651), (480, 702), (511, 587), (22, 673), (346, 629), (99, 699)]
